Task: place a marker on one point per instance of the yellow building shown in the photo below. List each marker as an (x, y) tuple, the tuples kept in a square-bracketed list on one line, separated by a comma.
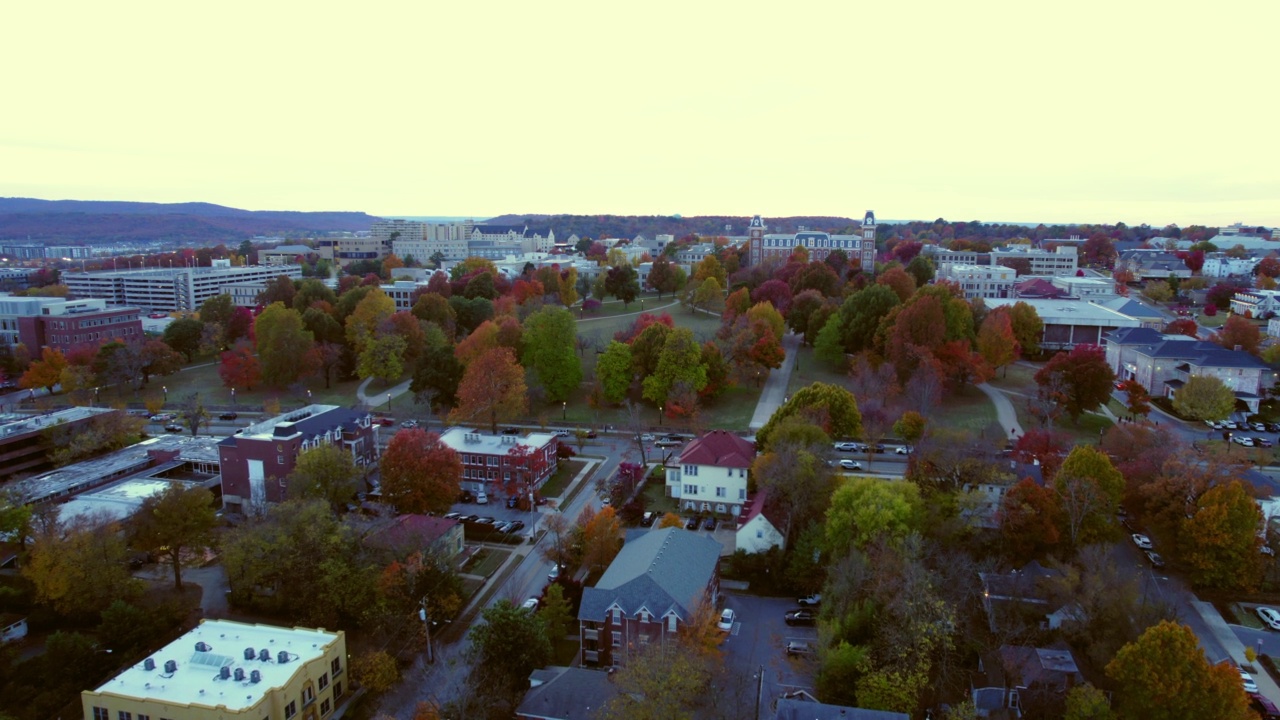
[(225, 669)]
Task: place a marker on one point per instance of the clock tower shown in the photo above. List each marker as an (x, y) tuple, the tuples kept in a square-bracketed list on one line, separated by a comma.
[(868, 244), (755, 239)]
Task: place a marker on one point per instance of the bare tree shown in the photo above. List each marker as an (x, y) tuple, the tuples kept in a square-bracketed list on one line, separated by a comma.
[(635, 425), (194, 414)]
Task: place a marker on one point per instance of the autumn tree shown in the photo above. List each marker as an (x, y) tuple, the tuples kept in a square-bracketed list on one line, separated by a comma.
[(669, 520), (509, 644), (420, 474), (1219, 541), (623, 283), (183, 335), (193, 413), (363, 322), (1046, 448), (1079, 381), (327, 472), (281, 343), (795, 475), (1086, 702), (549, 352), (865, 509), (382, 358), (1164, 675), (996, 341), (601, 538), (1089, 490), (662, 276), (707, 295), (555, 613), (1204, 397), (172, 523), (680, 361), (1029, 521), (238, 367), (1157, 291), (45, 372), (1183, 326), (492, 390), (899, 281), (614, 371), (1027, 327), (830, 407), (1239, 333), (80, 567)]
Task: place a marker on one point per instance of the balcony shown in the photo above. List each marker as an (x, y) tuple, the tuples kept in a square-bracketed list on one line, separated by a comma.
[(590, 635)]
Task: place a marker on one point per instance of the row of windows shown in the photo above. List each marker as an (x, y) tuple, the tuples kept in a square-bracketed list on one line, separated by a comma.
[(721, 492), (90, 337), (789, 243)]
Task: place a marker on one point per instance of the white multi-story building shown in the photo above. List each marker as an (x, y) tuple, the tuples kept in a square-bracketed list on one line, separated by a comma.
[(860, 249), (1222, 265), (980, 281), (712, 476), (1086, 288), (1256, 303), (181, 289), (1063, 260)]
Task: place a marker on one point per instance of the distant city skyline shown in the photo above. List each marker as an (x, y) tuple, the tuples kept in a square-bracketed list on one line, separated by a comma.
[(1094, 112)]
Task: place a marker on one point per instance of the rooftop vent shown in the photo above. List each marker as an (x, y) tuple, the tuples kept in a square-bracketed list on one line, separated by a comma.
[(149, 664), (224, 673), (249, 653), (171, 666), (255, 677), (264, 655), (282, 657), (239, 674), (203, 647)]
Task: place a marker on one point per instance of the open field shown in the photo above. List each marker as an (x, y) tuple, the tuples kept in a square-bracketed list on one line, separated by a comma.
[(968, 409), (567, 470), (809, 369)]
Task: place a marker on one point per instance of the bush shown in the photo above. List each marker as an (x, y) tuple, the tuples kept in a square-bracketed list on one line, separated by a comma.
[(564, 451), (590, 305), (1210, 310)]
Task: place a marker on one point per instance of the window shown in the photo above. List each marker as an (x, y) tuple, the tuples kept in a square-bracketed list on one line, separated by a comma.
[(336, 668), (337, 689), (617, 614), (324, 681), (279, 459), (143, 717), (124, 715), (720, 492), (759, 534), (101, 713), (617, 639), (308, 695), (324, 707), (742, 493), (291, 709), (671, 623)]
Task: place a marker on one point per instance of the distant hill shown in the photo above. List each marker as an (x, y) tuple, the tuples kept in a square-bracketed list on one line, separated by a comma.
[(94, 221), (628, 226)]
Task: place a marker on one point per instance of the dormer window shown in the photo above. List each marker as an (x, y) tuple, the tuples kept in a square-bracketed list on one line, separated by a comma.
[(617, 614)]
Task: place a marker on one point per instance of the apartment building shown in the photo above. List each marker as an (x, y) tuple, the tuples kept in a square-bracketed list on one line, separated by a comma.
[(46, 252), (980, 281), (62, 324), (491, 462), (257, 460), (181, 289), (1062, 260), (224, 669), (1256, 303), (1164, 363), (712, 473)]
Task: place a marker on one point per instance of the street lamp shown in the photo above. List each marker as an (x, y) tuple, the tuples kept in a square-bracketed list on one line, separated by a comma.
[(564, 410), (308, 397), (660, 411), (233, 397), (165, 388), (388, 402)]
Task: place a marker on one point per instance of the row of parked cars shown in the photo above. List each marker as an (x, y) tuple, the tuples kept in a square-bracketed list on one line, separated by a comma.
[(497, 525), (1243, 425), (872, 448), (1144, 544)]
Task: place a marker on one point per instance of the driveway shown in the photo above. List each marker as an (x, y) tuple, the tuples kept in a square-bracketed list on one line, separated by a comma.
[(757, 644)]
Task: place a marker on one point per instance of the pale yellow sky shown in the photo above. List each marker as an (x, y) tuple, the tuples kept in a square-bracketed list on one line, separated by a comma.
[(1020, 111)]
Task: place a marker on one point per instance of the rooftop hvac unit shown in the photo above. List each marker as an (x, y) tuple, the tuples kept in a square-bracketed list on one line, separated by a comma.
[(239, 674), (203, 647), (250, 653), (224, 673), (149, 664), (171, 666), (264, 655), (255, 677), (282, 657)]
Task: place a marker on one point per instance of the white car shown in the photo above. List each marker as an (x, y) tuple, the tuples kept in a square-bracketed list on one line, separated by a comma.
[(645, 438), (1142, 541), (531, 604), (850, 464), (1242, 440), (555, 572), (482, 498), (561, 432), (726, 620), (1269, 617), (903, 450), (1247, 680), (846, 446)]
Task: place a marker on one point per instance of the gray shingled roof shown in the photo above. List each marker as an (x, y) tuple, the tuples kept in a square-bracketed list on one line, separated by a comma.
[(789, 709), (664, 570), (572, 693)]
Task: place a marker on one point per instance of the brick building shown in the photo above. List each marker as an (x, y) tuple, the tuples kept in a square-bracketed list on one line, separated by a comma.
[(488, 461), (256, 461), (62, 324)]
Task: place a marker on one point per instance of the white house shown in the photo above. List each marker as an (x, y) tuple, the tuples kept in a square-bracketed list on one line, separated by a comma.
[(712, 476), (1222, 265), (762, 527), (1255, 303)]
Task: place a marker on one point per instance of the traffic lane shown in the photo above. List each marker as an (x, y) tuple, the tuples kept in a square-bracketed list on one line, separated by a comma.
[(1157, 585), (1262, 641), (758, 641)]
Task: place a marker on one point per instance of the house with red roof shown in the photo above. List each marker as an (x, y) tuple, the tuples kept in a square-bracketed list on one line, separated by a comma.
[(712, 474), (407, 534), (763, 526)]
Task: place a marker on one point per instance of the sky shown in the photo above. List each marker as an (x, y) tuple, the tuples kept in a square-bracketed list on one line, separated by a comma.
[(1142, 112)]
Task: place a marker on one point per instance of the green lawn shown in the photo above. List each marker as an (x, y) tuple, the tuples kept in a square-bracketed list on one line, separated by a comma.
[(567, 471), (471, 586), (203, 378), (968, 409), (565, 651), (1212, 321), (486, 562), (809, 370), (1018, 378), (655, 495)]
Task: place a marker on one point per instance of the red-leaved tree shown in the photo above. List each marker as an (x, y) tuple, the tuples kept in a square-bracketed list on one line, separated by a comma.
[(420, 474), (239, 368)]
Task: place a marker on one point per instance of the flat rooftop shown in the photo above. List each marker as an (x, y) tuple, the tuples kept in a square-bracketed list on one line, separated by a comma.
[(1069, 312), (82, 476), (196, 681), (119, 500), (34, 423), (471, 440)]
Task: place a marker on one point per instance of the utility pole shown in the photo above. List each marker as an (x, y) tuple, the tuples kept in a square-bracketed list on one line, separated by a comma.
[(426, 624), (759, 689)]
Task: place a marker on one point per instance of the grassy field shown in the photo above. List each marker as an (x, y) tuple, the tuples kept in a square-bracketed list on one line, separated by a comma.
[(809, 369), (1212, 321), (655, 495), (969, 409), (1018, 378), (567, 471), (486, 562), (203, 378)]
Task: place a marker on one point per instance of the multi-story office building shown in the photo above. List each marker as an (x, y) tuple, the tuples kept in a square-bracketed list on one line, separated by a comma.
[(45, 252), (25, 442), (64, 324), (256, 461), (224, 669), (492, 461), (860, 248), (980, 281), (287, 255), (170, 289), (1062, 260)]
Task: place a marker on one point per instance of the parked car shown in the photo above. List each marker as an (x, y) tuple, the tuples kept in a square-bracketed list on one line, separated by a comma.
[(800, 617), (466, 497), (502, 527), (850, 464), (1260, 427), (1242, 440), (408, 424), (228, 416), (799, 648), (668, 442), (555, 572), (709, 524), (877, 448), (1270, 617), (813, 600), (1155, 559), (452, 515), (846, 446), (1214, 424), (515, 526), (561, 432), (1247, 680), (173, 428), (1262, 442), (483, 520), (726, 620), (1273, 427), (591, 435), (645, 437), (386, 421), (482, 498), (691, 523), (531, 604), (468, 518), (1227, 425), (647, 519), (162, 417), (1264, 707), (1142, 541), (903, 450)]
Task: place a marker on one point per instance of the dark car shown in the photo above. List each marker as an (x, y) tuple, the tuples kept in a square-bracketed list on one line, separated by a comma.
[(647, 519), (801, 617), (511, 431), (386, 421), (513, 501), (468, 518), (1264, 707), (799, 648), (709, 524), (1273, 427), (691, 524), (591, 435), (173, 428), (1262, 442), (228, 416), (516, 525), (466, 497), (1155, 559)]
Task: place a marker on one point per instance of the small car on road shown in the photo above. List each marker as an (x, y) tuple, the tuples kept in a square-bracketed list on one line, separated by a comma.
[(813, 600), (850, 464), (1155, 559), (802, 616), (1142, 541), (173, 428), (482, 498), (1247, 680), (409, 424), (846, 447), (555, 572), (228, 416), (531, 604)]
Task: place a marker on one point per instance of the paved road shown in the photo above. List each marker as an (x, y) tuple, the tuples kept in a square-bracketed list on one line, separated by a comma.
[(774, 392)]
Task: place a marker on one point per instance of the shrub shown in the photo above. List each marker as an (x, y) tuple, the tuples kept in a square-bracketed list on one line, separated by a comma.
[(590, 305)]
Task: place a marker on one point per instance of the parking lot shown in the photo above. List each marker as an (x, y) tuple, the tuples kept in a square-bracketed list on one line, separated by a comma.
[(758, 642)]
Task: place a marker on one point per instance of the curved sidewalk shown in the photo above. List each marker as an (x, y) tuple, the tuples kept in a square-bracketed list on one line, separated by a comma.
[(1005, 413)]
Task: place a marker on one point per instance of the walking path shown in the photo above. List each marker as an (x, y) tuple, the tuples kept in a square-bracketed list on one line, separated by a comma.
[(638, 312), (1007, 416), (775, 386), (394, 391)]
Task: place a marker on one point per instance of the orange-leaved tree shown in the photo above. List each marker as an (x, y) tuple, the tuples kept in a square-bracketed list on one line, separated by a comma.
[(419, 473), (492, 389)]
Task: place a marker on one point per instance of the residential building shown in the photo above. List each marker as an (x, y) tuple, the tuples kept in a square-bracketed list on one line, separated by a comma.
[(712, 476), (762, 527), (655, 585), (63, 324), (1147, 264), (1256, 303), (181, 289), (980, 281), (1164, 363), (26, 440), (407, 534), (287, 255), (1068, 323), (16, 278), (224, 669), (1021, 680), (1146, 315), (860, 248), (793, 708), (347, 249), (1062, 260), (256, 461), (1021, 600), (29, 251), (941, 255), (693, 254), (566, 693), (1220, 265), (1273, 327), (528, 242), (491, 463)]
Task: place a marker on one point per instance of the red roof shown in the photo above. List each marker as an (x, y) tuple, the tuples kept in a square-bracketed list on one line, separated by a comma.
[(410, 530), (1039, 288), (719, 448)]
